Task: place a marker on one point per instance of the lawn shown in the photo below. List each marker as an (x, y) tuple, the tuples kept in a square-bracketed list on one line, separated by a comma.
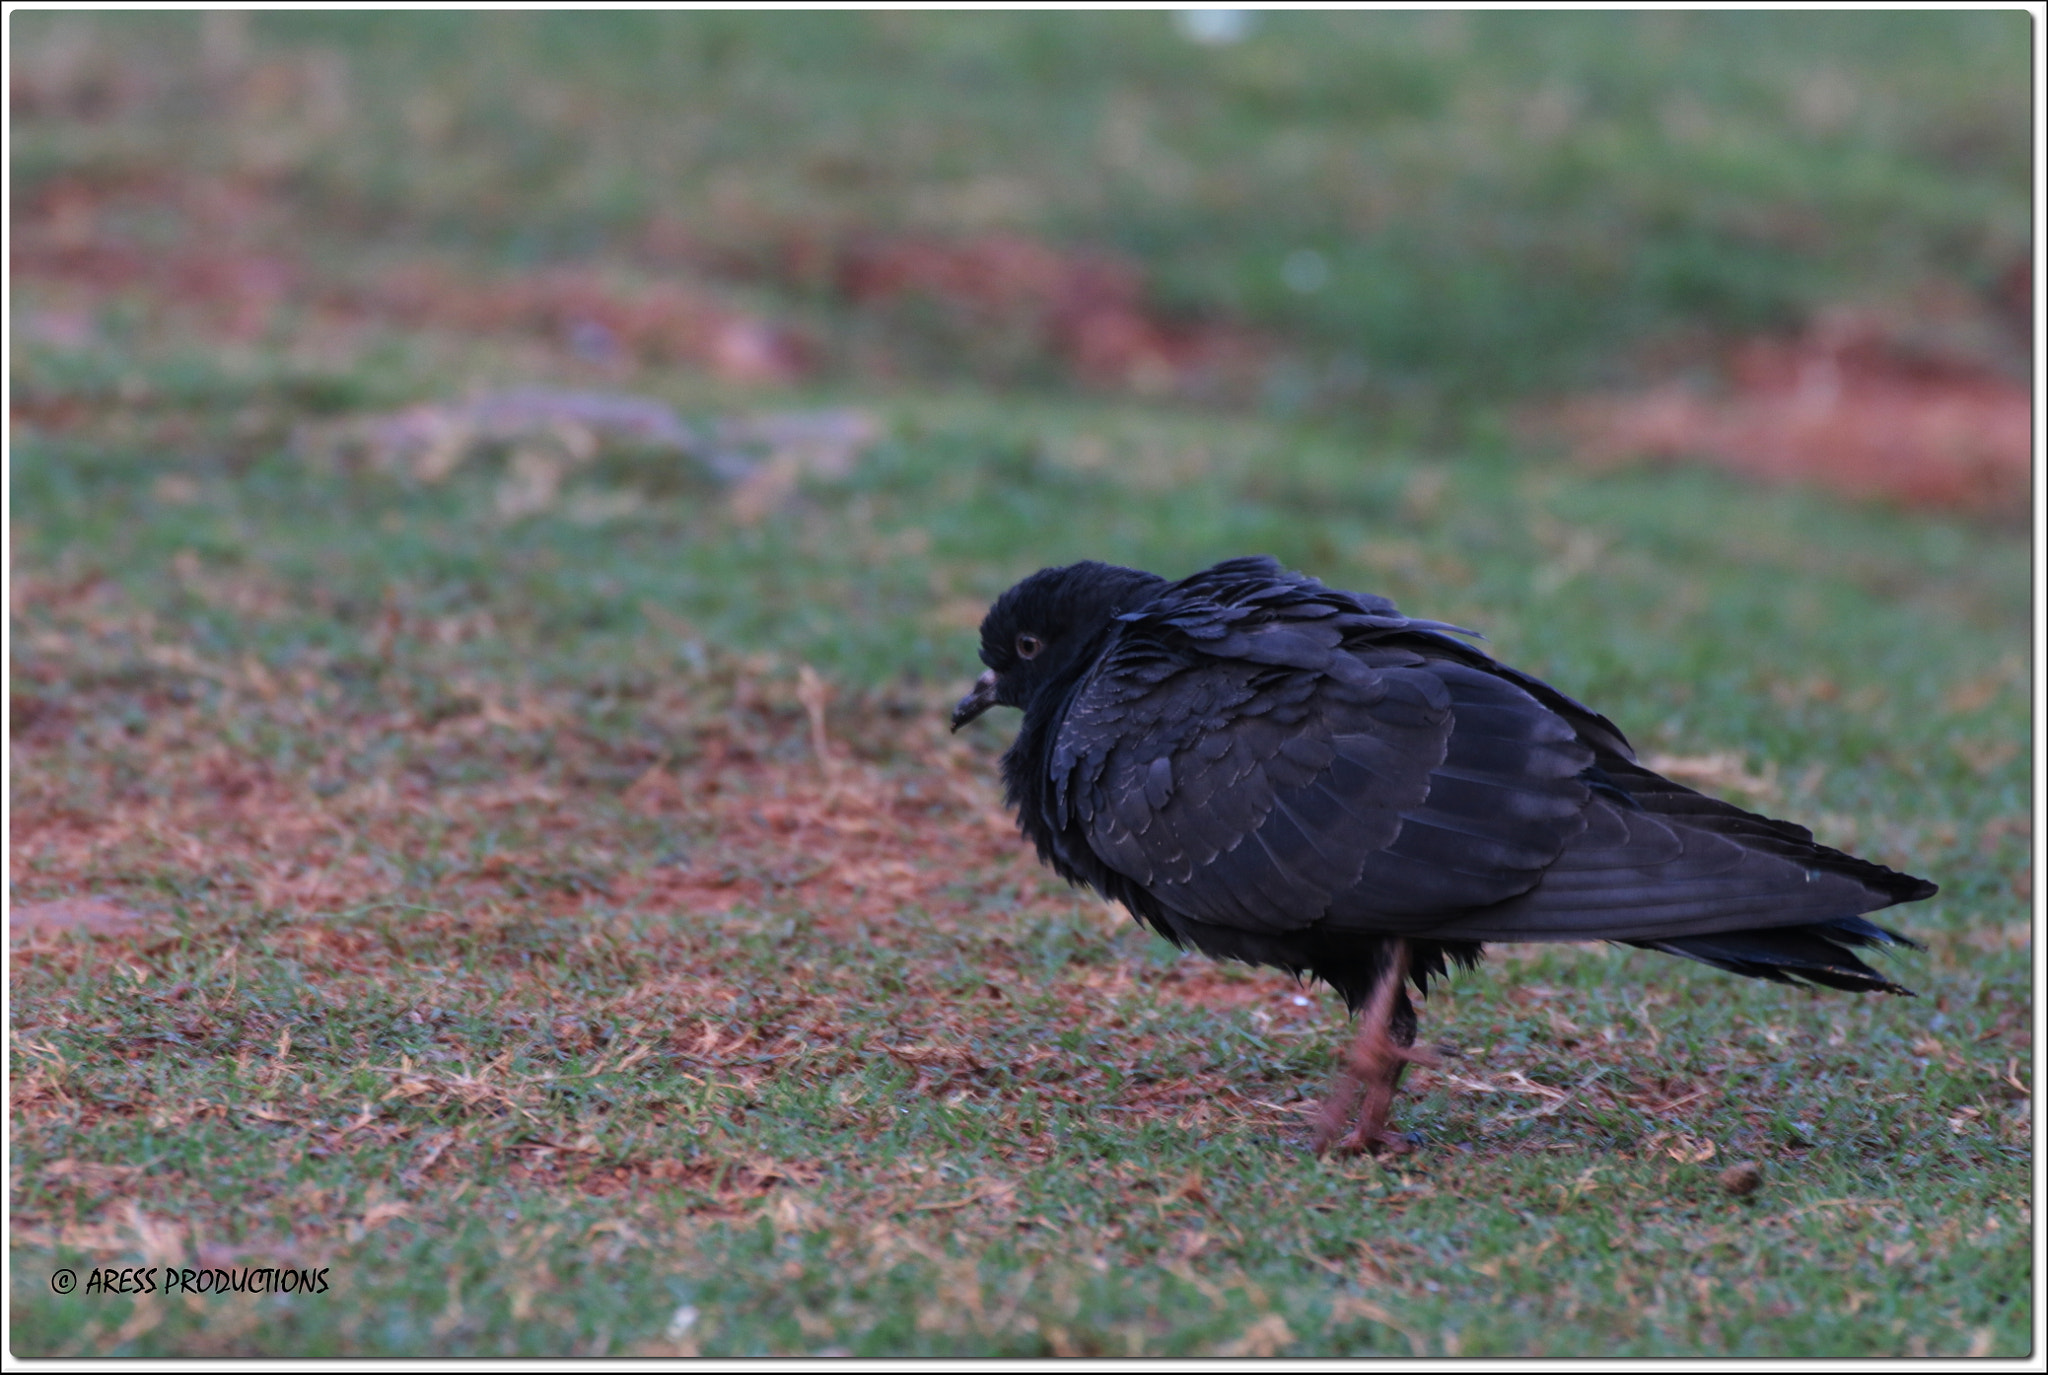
[(521, 869)]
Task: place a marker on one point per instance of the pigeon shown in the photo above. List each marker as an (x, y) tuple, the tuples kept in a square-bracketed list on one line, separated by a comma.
[(1267, 769)]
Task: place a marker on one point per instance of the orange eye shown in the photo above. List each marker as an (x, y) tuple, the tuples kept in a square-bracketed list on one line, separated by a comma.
[(1028, 646)]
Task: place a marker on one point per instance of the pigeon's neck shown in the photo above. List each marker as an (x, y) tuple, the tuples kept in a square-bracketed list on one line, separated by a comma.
[(1027, 764)]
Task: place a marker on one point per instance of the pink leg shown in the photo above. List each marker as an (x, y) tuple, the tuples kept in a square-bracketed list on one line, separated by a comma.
[(1373, 1067)]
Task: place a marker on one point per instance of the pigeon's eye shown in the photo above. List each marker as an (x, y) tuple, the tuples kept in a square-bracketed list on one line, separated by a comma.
[(1028, 646)]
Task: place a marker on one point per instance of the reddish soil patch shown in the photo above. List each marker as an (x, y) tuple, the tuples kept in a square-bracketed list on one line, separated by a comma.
[(1087, 308), (598, 316), (1849, 405), (855, 844), (234, 271), (846, 842), (880, 832), (233, 267)]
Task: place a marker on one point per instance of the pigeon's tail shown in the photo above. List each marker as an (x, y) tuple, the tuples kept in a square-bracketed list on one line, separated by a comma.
[(1818, 953)]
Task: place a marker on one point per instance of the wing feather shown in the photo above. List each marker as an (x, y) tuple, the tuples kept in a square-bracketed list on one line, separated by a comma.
[(1270, 774), (1275, 771)]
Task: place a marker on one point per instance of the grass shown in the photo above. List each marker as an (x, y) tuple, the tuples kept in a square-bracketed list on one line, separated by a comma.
[(575, 931), (1493, 202)]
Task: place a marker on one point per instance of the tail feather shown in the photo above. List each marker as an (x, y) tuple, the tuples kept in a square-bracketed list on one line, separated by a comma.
[(1817, 954)]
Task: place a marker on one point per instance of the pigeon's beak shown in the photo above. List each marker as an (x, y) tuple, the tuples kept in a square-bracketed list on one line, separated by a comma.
[(976, 702)]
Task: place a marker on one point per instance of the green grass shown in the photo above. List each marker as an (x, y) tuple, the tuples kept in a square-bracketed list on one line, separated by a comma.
[(1871, 664), (1501, 201), (509, 951)]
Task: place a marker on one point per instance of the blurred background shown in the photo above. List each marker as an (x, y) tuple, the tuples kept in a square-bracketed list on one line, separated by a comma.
[(815, 330), (502, 502)]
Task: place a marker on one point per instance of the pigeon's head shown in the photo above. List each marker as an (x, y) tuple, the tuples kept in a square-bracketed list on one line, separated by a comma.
[(1047, 630)]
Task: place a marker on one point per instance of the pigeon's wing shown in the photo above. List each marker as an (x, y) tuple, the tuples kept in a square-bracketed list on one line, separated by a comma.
[(1658, 862), (1508, 800), (1269, 754)]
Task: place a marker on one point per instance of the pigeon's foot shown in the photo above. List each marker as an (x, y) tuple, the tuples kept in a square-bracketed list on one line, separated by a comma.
[(1362, 1095), (1363, 1098)]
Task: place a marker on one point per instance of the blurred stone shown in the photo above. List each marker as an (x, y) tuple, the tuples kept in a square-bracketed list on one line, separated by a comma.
[(1744, 1179)]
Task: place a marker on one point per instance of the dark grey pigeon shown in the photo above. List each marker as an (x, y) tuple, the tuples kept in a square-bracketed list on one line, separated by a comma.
[(1271, 770)]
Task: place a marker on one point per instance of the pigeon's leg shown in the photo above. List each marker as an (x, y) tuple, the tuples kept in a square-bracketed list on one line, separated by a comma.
[(1373, 1068)]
